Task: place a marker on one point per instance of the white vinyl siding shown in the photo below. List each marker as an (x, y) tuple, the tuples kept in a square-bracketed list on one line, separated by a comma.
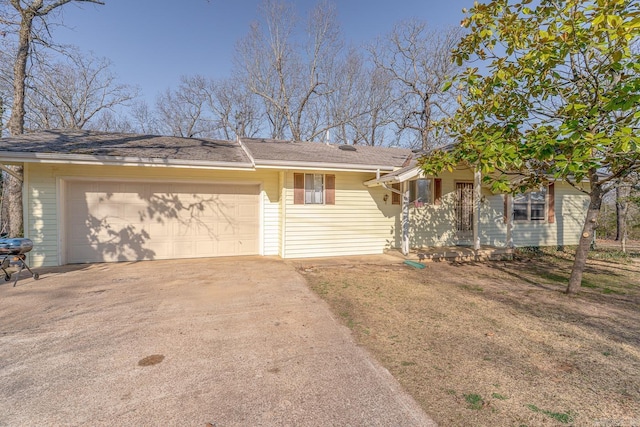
[(435, 224), (570, 210), (45, 214), (360, 222), (42, 214)]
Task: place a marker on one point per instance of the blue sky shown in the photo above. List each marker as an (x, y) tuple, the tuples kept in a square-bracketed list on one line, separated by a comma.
[(153, 42)]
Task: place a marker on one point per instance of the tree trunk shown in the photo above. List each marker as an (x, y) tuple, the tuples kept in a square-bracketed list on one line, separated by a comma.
[(424, 134), (4, 207), (12, 188), (575, 280), (622, 206), (12, 192), (16, 121)]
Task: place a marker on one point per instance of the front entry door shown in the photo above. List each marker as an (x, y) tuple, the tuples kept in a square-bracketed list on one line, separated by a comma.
[(464, 212)]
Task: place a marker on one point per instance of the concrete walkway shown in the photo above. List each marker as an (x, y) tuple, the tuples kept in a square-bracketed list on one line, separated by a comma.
[(208, 342)]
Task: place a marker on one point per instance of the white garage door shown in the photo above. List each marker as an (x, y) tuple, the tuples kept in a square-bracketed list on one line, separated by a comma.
[(110, 221)]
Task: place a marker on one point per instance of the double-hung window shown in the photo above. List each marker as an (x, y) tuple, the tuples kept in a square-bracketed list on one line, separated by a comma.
[(313, 188), (530, 206)]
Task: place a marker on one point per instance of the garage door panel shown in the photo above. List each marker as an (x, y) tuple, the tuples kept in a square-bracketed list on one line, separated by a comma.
[(247, 247), (159, 229), (247, 213), (109, 221), (106, 210), (133, 210)]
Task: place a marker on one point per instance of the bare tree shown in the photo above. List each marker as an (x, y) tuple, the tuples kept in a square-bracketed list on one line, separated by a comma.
[(108, 121), (6, 83), (142, 118), (375, 97), (358, 107), (202, 107), (419, 60), (291, 82), (235, 108), (70, 93), (25, 20), (182, 112)]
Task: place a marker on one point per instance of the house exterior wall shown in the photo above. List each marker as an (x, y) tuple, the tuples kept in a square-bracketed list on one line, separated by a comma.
[(360, 222), (570, 211), (44, 199), (435, 225)]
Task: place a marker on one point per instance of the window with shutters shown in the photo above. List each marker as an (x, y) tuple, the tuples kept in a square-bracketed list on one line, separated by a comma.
[(530, 206), (313, 189)]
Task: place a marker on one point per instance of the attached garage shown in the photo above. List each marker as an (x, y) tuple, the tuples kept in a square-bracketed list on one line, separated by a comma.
[(128, 221), (107, 197)]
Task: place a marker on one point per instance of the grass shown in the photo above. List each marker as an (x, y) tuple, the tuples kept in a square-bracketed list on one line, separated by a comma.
[(475, 401), (472, 288), (504, 332), (563, 417)]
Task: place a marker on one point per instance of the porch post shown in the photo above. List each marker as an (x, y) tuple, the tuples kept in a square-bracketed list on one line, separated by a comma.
[(477, 193), (509, 215), (405, 217)]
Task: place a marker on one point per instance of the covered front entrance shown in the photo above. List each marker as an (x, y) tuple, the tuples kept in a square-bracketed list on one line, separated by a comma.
[(130, 221), (464, 209)]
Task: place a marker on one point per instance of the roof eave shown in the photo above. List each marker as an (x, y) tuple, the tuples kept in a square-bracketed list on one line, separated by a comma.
[(86, 159), (343, 167), (405, 176)]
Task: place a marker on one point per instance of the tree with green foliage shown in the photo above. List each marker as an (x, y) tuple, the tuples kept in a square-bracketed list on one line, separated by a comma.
[(555, 96)]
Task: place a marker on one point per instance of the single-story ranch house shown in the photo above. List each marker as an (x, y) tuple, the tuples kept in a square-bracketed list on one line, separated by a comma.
[(94, 197)]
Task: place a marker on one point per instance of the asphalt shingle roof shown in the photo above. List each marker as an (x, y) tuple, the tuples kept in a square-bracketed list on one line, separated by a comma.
[(315, 152), (125, 145), (168, 148)]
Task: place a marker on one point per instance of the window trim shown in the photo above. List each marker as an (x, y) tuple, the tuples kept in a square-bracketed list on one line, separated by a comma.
[(300, 189), (312, 192), (396, 198), (413, 188), (437, 191), (546, 207)]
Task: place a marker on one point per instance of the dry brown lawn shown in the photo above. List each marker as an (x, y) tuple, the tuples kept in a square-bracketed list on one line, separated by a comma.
[(499, 343)]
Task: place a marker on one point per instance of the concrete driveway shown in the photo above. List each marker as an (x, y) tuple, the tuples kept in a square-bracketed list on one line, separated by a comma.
[(207, 342)]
